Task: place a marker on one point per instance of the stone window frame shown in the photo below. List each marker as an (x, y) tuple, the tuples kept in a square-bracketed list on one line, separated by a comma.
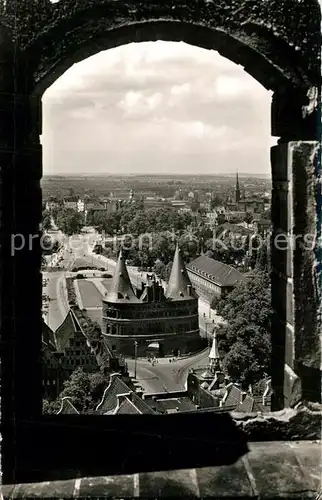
[(286, 64)]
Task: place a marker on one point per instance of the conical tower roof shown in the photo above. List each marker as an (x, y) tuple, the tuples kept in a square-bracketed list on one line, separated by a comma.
[(179, 286), (214, 353), (121, 288), (214, 357)]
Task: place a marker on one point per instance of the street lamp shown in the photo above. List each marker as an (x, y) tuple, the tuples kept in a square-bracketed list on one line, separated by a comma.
[(135, 356)]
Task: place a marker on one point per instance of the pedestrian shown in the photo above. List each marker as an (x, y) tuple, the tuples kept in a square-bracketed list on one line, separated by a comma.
[(169, 360)]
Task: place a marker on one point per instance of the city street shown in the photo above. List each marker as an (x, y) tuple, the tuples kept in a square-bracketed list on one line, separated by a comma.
[(163, 376)]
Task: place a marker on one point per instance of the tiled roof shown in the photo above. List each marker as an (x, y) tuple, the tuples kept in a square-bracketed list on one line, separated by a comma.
[(182, 404), (67, 407), (109, 400), (179, 281), (234, 396), (247, 405), (141, 405), (48, 335), (66, 330), (120, 289), (221, 273), (127, 408)]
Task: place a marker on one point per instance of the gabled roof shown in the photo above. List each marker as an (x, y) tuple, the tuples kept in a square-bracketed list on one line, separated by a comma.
[(109, 399), (233, 397), (179, 281), (67, 407), (66, 330), (127, 408), (140, 404), (221, 273), (121, 289), (48, 336)]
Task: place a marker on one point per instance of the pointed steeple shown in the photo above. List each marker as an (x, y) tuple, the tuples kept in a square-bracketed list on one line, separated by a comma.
[(237, 188), (179, 286), (121, 288), (214, 357)]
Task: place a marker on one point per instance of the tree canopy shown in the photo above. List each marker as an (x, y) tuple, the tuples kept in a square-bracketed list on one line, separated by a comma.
[(85, 391), (245, 339), (69, 221)]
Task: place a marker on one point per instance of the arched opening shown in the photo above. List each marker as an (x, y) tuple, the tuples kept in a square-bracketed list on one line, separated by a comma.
[(277, 42), (158, 108), (269, 79)]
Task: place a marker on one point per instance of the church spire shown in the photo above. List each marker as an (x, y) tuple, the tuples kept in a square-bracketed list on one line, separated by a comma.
[(237, 188), (121, 288), (179, 286), (214, 357)]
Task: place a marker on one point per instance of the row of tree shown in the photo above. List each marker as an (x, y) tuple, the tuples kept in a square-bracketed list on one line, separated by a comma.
[(155, 250), (245, 340), (135, 220)]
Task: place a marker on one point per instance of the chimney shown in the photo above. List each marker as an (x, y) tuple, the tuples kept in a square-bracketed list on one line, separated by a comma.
[(189, 288)]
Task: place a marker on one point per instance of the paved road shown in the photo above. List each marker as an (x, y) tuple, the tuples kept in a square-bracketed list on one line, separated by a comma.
[(165, 376), (57, 309)]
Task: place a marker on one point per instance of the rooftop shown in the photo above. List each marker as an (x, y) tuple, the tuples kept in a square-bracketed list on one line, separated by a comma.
[(66, 330), (221, 273), (109, 399), (179, 284), (67, 407), (121, 289)]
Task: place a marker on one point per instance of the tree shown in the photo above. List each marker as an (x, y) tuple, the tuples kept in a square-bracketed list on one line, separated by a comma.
[(46, 220), (262, 259), (50, 407), (85, 390), (69, 221), (245, 339)]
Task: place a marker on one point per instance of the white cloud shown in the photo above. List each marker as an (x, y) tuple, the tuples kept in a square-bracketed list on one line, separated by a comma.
[(113, 111)]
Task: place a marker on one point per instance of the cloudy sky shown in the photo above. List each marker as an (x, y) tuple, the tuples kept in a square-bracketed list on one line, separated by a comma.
[(157, 107)]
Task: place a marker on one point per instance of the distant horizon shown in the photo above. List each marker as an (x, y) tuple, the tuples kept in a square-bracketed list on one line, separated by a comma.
[(161, 106), (100, 174)]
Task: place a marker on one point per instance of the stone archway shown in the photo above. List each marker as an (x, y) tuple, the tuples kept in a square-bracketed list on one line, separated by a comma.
[(277, 42)]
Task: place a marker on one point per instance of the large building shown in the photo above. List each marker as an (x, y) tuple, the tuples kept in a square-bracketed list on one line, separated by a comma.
[(211, 278), (151, 320)]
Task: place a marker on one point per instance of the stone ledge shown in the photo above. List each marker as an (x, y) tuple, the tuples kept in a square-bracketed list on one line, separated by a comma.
[(269, 470), (302, 423)]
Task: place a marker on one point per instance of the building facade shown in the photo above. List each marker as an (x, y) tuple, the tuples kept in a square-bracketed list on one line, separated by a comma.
[(152, 321), (74, 347), (212, 279)]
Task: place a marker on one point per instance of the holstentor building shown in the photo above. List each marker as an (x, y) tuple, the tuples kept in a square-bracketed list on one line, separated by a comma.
[(151, 320)]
